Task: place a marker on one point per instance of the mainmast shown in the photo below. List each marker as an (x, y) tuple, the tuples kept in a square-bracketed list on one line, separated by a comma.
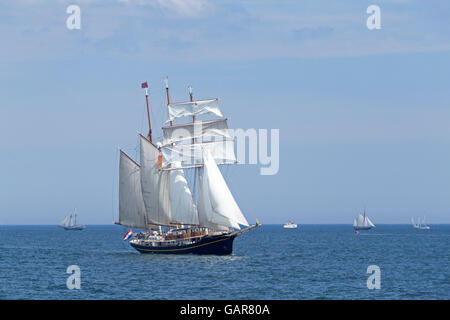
[(191, 98), (145, 86)]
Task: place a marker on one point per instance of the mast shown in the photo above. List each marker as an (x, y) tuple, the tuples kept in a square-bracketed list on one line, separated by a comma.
[(145, 86), (166, 82), (191, 98)]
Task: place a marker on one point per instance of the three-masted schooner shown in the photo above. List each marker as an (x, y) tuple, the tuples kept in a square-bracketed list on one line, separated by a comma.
[(155, 195)]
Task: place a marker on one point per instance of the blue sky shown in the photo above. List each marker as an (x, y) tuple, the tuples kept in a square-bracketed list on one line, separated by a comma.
[(364, 115)]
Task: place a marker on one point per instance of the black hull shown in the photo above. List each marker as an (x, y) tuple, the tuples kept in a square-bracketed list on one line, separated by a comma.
[(362, 228), (215, 244)]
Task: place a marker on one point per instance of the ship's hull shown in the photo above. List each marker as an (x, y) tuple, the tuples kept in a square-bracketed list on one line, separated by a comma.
[(362, 228), (215, 245), (74, 228)]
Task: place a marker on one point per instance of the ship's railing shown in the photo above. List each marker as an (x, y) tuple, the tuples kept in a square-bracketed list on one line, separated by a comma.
[(171, 242)]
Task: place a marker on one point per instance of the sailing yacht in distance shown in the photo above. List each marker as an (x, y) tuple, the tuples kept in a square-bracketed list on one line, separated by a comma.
[(70, 222), (420, 224), (362, 222), (201, 218)]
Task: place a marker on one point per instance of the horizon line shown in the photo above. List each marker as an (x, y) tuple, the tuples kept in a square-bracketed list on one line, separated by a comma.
[(262, 224)]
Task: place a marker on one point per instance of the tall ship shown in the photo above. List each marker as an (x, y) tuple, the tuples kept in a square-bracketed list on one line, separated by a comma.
[(420, 224), (200, 217), (70, 222), (362, 222)]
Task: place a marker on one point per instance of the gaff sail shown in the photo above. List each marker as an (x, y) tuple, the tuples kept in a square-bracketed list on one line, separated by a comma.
[(155, 184), (131, 204)]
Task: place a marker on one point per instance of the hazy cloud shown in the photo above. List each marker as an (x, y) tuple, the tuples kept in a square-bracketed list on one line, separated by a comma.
[(186, 8), (215, 30)]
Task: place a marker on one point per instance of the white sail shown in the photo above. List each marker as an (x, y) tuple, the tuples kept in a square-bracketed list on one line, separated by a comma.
[(182, 207), (216, 206), (421, 224), (189, 131), (369, 223), (360, 221), (65, 222), (185, 109), (363, 222), (155, 184), (221, 151), (131, 203), (206, 214)]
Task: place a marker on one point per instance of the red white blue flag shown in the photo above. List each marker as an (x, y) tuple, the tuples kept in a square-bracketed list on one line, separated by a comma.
[(128, 235)]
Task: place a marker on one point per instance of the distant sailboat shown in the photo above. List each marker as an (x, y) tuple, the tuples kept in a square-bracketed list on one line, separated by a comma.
[(362, 222), (420, 225), (70, 222)]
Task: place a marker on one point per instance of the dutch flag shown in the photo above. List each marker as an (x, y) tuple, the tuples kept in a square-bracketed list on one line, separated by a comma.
[(128, 235)]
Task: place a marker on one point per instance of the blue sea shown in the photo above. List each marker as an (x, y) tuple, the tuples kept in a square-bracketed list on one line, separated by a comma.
[(312, 262)]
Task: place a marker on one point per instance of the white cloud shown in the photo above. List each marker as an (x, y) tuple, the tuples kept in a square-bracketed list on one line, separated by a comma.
[(186, 8), (206, 30)]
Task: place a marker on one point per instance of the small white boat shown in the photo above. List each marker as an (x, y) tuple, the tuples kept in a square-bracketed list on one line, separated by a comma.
[(290, 225)]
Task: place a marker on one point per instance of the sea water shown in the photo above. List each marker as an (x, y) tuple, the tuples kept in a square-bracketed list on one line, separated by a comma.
[(270, 262)]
